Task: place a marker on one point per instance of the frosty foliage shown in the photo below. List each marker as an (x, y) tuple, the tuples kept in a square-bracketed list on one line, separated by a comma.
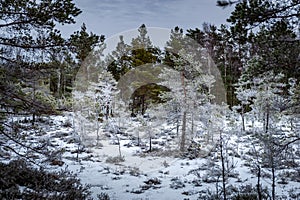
[(263, 96), (94, 106), (190, 99)]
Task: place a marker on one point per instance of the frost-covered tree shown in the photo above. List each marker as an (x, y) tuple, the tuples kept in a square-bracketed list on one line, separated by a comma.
[(263, 95), (143, 40), (106, 90), (190, 92), (193, 78), (267, 104), (244, 94), (173, 46), (93, 106), (105, 93)]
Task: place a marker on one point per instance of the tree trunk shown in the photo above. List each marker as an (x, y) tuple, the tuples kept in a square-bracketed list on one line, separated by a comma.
[(98, 127), (34, 98), (223, 167), (150, 145), (258, 183), (267, 119), (273, 179), (107, 111), (120, 154), (183, 134), (138, 144), (177, 126), (243, 119), (225, 78), (33, 118), (59, 82), (143, 105), (192, 129), (62, 81)]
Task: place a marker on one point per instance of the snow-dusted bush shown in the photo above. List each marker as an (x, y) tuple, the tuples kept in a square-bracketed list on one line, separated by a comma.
[(134, 171), (20, 180), (103, 196), (246, 192), (115, 160), (176, 183)]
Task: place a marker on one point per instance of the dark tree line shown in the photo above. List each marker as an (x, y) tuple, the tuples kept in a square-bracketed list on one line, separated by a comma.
[(37, 66), (34, 54)]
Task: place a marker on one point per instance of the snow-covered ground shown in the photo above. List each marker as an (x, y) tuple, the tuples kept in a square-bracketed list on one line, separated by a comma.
[(157, 175)]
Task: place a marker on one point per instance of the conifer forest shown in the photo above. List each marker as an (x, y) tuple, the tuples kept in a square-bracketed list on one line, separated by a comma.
[(209, 113)]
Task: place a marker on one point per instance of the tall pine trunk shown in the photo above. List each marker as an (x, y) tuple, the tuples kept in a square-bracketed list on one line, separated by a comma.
[(273, 174), (223, 167), (183, 133), (258, 183)]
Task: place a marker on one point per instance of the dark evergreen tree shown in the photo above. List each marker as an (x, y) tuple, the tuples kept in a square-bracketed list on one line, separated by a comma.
[(140, 56), (83, 45), (276, 48), (119, 62), (222, 49), (249, 14), (28, 41), (29, 32), (265, 31), (175, 43), (142, 49)]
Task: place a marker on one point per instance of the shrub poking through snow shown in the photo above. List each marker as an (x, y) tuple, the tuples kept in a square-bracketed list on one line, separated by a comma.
[(176, 183), (115, 160), (153, 181), (19, 180), (103, 196)]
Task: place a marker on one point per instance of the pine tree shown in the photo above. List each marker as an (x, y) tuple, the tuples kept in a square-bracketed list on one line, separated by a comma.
[(250, 14), (220, 48), (118, 63), (24, 50), (142, 49), (135, 67), (267, 30), (87, 48), (175, 43)]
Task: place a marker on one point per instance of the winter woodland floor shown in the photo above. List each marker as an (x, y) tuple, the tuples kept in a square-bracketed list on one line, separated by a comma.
[(159, 174)]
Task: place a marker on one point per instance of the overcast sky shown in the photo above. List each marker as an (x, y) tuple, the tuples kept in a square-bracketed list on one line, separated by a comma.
[(123, 17), (110, 17)]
